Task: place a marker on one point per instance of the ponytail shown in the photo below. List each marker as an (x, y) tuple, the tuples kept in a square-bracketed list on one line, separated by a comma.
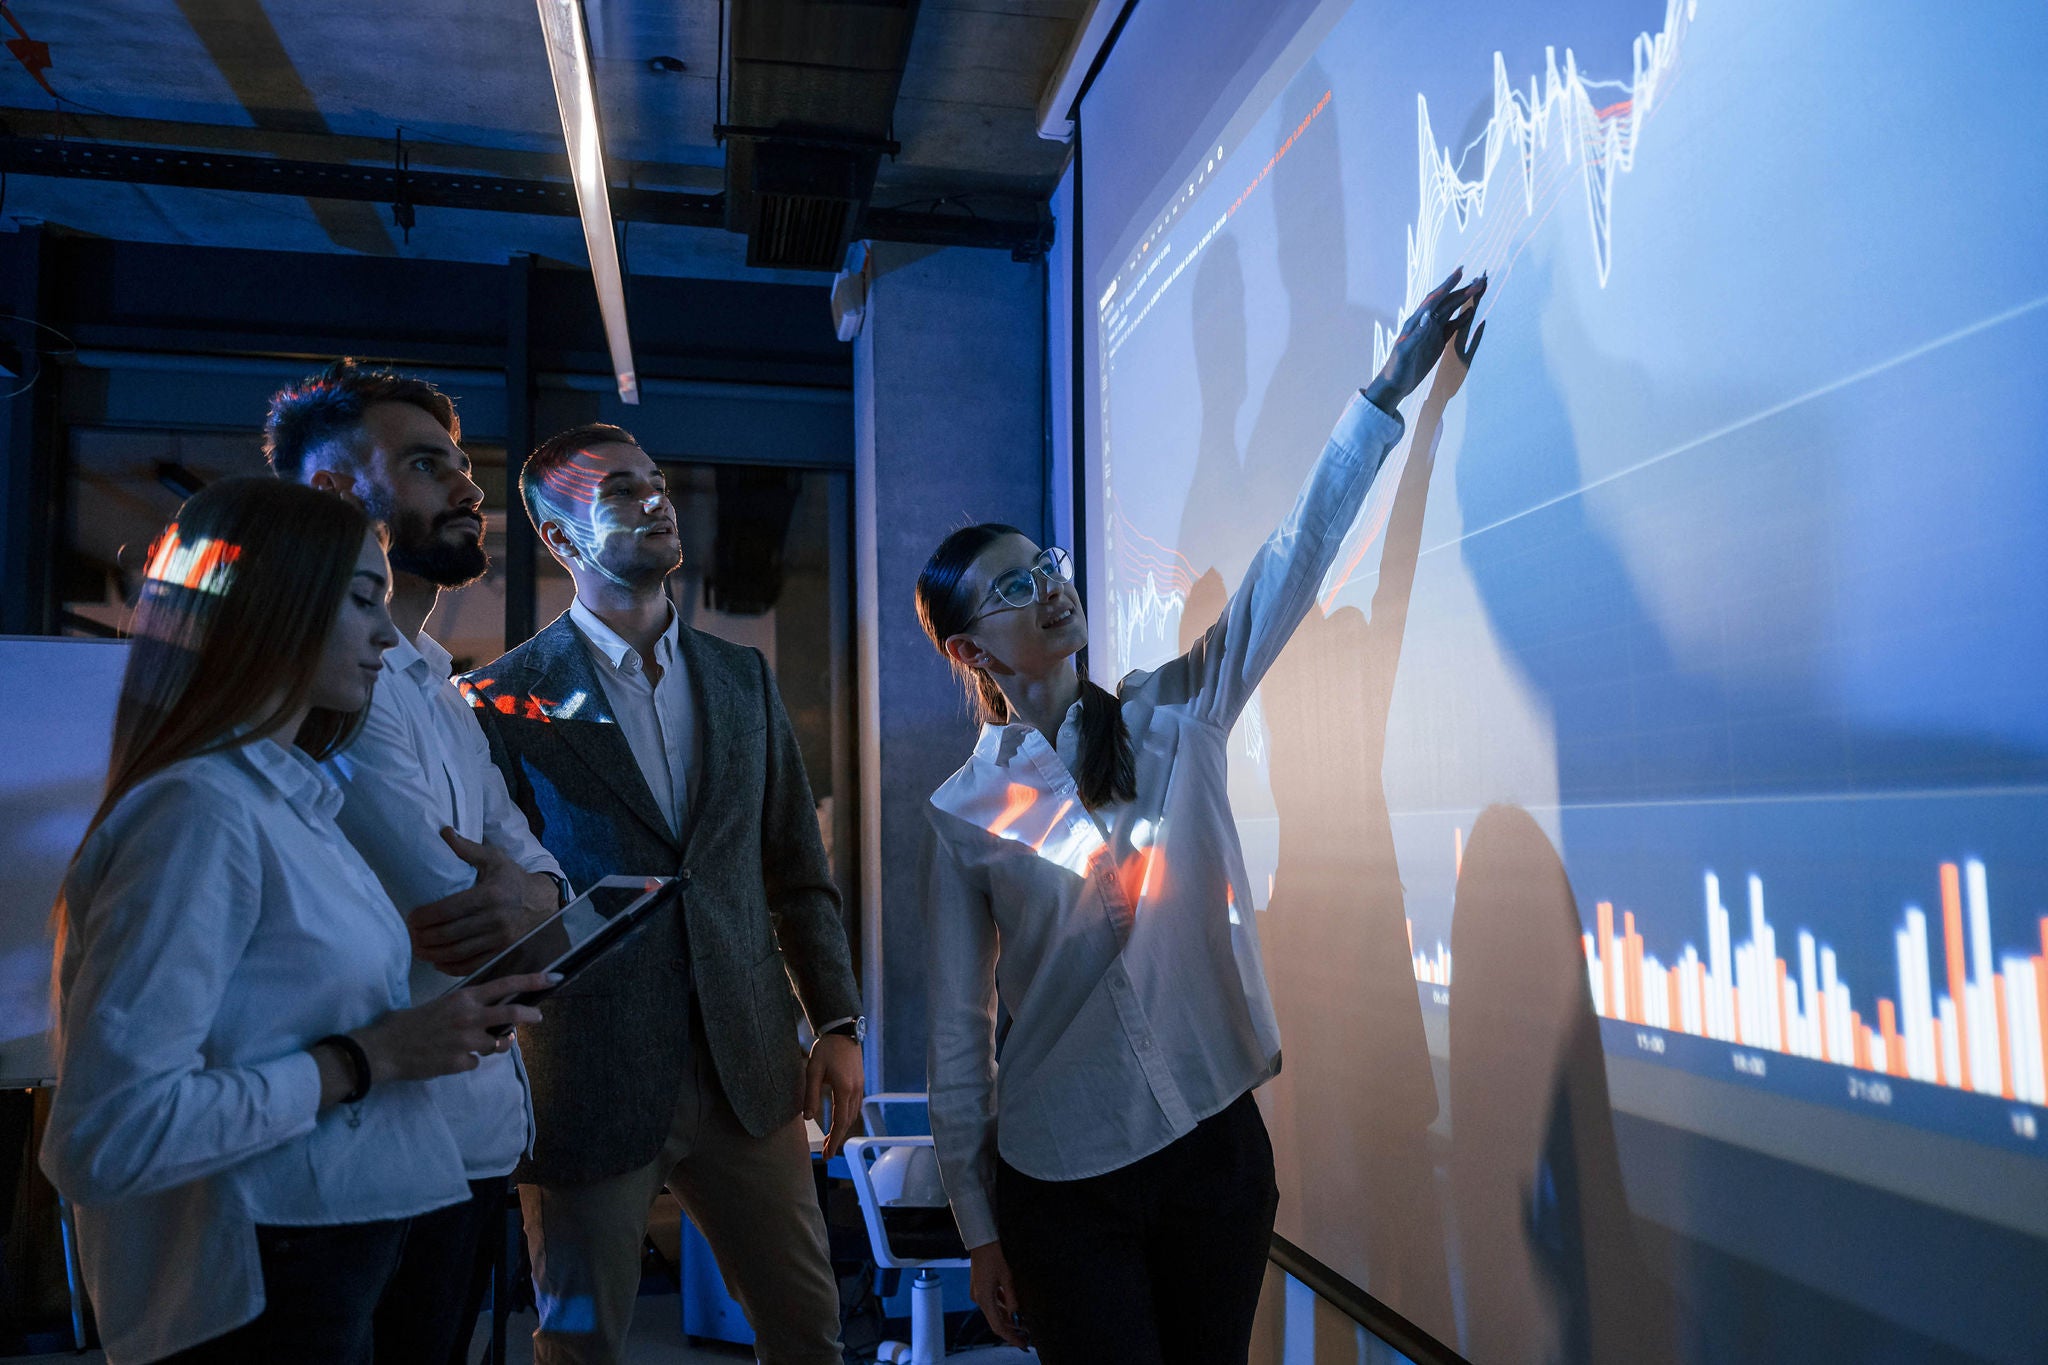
[(1108, 769)]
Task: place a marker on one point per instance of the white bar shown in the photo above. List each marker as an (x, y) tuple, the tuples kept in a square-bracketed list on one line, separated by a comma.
[(2020, 1029), (1902, 943), (1809, 986), (1829, 994), (1951, 1054), (1921, 1020), (1720, 970)]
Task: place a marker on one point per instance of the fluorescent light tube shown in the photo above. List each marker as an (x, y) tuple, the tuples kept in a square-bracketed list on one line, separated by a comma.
[(561, 23)]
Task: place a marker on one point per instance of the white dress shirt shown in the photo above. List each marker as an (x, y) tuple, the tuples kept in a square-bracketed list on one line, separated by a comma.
[(1114, 938), (221, 925), (421, 763), (658, 719)]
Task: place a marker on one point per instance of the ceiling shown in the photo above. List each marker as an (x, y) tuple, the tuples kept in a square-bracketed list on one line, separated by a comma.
[(467, 82)]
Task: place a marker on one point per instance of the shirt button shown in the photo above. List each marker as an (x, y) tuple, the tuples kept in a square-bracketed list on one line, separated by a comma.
[(684, 876), (1144, 1045)]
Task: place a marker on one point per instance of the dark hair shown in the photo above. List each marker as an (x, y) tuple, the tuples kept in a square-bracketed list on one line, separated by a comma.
[(1109, 771), (555, 452), (241, 594), (326, 409)]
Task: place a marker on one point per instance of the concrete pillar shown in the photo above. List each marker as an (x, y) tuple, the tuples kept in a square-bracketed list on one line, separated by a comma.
[(949, 416)]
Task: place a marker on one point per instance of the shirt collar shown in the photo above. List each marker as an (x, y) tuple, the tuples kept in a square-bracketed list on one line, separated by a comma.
[(1000, 744), (612, 647), (305, 786), (415, 660)]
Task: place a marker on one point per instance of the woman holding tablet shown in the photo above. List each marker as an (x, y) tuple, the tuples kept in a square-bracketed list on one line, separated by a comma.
[(1112, 1178), (240, 1118)]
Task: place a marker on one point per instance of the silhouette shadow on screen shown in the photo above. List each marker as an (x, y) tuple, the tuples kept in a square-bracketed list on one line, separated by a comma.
[(1532, 1131)]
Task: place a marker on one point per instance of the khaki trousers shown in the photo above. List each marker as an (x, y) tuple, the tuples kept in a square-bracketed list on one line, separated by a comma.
[(752, 1198)]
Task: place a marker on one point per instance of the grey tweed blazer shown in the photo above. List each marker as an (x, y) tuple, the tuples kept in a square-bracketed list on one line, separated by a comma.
[(759, 910)]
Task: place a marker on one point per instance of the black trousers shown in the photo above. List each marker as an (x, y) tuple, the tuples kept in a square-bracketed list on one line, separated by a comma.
[(429, 1309), (320, 1291), (1156, 1263)]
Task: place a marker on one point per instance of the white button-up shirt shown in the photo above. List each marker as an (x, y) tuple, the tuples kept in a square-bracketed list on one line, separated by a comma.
[(221, 925), (421, 763), (658, 719), (1114, 939)]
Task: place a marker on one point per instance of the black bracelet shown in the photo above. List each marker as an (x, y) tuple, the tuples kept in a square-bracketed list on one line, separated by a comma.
[(358, 1062)]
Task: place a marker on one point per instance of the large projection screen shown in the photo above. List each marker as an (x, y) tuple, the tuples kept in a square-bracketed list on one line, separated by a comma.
[(1651, 824)]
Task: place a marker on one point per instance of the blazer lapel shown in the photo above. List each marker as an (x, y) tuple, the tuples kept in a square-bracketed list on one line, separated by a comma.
[(723, 705), (564, 670)]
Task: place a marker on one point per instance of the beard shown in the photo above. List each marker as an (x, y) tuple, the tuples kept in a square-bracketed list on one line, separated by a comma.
[(417, 547)]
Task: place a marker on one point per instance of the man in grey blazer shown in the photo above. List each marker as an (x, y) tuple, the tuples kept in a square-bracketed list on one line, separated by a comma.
[(637, 745)]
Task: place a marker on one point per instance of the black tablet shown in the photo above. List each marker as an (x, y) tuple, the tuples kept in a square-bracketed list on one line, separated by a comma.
[(575, 936)]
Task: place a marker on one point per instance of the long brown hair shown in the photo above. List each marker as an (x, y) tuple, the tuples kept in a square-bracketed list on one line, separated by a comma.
[(241, 592), (1108, 770)]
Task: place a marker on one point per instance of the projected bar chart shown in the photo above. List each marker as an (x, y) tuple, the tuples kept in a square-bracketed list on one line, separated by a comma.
[(1986, 1032)]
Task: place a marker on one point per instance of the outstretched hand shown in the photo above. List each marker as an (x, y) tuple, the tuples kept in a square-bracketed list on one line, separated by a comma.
[(1443, 319)]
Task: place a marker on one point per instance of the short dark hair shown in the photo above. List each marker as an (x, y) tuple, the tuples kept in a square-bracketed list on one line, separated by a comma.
[(555, 452), (326, 409)]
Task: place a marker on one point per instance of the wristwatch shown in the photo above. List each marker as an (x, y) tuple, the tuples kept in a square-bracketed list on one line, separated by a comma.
[(855, 1028)]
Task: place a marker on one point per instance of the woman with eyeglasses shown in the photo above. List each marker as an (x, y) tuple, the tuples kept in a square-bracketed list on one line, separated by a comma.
[(1111, 1177), (241, 1117)]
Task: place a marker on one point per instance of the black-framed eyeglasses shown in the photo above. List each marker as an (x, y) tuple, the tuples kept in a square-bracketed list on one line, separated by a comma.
[(1014, 588)]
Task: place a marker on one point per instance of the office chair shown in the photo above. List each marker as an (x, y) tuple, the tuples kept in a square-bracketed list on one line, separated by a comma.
[(910, 1226)]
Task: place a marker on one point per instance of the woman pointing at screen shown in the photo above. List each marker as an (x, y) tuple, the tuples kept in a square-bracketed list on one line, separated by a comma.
[(1112, 1178)]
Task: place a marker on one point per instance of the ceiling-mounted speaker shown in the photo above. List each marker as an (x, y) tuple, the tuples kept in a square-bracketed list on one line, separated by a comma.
[(850, 292)]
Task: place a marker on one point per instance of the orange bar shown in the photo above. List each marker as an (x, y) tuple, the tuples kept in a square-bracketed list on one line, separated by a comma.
[(1861, 1037), (1735, 1005), (1457, 853), (2004, 1042), (1603, 942), (1952, 939), (1822, 1008), (2041, 986), (1411, 938), (1940, 1058), (1677, 1016), (1630, 978), (1635, 968), (1888, 1024), (1784, 1009), (1699, 981)]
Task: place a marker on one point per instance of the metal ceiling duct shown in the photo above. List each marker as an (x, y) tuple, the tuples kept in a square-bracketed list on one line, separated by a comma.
[(811, 98)]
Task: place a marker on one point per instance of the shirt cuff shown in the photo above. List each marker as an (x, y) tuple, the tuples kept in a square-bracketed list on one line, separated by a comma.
[(294, 1085), (1367, 426), (976, 1218)]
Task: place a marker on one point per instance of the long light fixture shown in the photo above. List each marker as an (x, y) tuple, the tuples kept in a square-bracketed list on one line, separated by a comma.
[(561, 24)]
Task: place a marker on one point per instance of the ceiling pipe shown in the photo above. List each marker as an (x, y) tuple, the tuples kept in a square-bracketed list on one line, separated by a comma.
[(568, 44)]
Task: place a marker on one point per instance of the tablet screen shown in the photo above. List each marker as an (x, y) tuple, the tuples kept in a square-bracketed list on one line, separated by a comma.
[(571, 928)]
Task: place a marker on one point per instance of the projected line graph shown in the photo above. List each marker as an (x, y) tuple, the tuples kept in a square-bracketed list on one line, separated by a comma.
[(1569, 126), (1987, 1033)]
